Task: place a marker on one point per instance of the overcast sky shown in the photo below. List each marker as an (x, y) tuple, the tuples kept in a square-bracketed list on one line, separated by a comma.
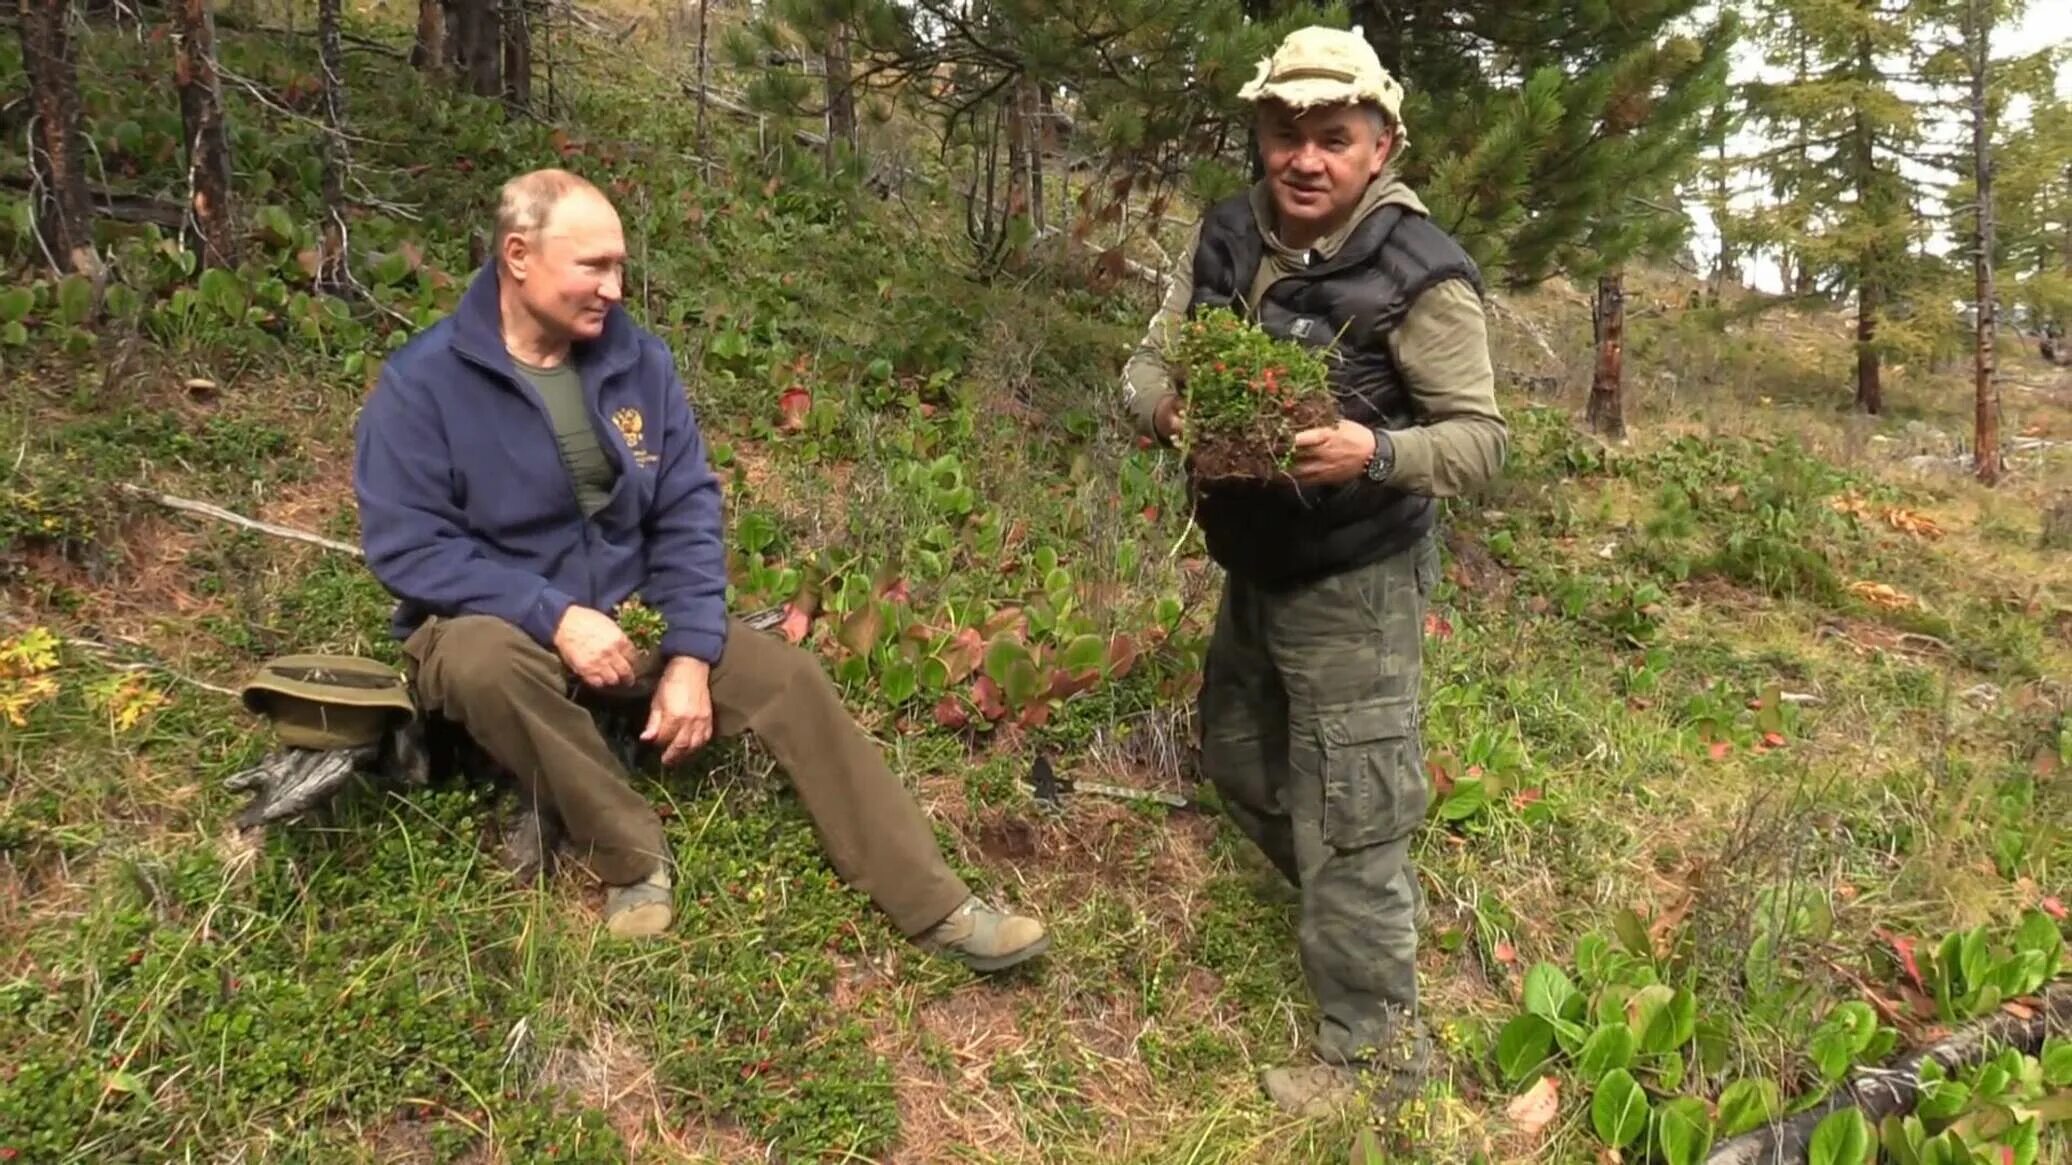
[(2047, 22)]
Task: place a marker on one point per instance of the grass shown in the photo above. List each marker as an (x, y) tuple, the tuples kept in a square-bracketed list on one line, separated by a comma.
[(1652, 685)]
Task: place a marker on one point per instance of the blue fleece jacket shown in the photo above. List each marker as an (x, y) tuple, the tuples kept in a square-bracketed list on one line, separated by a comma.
[(466, 508)]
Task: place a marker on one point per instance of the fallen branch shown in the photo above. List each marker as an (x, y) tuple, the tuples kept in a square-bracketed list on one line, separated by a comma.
[(118, 205), (1883, 1092), (190, 506)]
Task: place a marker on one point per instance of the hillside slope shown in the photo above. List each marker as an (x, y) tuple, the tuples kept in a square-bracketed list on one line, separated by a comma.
[(1763, 698)]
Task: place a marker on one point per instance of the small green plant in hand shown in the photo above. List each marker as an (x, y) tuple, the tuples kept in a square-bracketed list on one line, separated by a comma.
[(1247, 394)]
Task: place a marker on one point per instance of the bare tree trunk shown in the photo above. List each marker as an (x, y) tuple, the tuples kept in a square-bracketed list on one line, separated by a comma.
[(1017, 151), (1607, 408), (56, 149), (704, 147), (1047, 143), (210, 209), (841, 98), (332, 272), (1030, 109), (459, 33), (428, 55), (517, 55), (482, 45), (1986, 437)]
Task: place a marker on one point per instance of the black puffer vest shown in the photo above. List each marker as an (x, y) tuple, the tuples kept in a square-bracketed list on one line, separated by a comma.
[(1281, 535)]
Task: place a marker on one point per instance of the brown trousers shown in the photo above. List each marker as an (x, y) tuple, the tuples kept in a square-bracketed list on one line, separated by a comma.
[(513, 698)]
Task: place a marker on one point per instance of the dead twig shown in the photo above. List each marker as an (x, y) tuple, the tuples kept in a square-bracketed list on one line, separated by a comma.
[(206, 510)]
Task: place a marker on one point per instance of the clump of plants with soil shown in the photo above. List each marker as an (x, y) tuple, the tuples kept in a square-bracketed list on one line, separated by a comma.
[(1247, 394)]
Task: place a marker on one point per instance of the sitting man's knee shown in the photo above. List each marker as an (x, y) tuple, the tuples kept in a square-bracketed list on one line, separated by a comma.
[(482, 652)]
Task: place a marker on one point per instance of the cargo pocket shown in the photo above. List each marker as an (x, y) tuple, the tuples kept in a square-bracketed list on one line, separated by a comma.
[(1374, 788)]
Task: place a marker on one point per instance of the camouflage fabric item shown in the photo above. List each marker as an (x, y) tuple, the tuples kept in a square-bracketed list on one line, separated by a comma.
[(329, 701), (1310, 731)]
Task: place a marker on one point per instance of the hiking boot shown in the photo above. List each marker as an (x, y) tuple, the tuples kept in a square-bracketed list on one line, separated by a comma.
[(1320, 1090), (986, 939), (530, 837), (641, 910)]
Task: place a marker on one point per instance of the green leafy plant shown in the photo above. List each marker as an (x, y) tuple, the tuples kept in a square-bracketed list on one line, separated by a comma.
[(1970, 975), (1247, 394)]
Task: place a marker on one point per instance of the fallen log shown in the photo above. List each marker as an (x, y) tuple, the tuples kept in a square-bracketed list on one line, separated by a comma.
[(1895, 1088)]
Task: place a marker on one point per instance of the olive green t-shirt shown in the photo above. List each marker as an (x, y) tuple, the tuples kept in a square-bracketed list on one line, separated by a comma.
[(561, 390)]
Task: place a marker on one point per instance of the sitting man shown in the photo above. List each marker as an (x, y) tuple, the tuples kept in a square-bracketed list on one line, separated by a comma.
[(523, 468)]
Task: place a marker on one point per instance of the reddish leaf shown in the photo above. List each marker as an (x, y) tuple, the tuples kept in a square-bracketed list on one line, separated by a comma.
[(2045, 764), (796, 625), (861, 630), (1903, 946), (986, 694), (792, 405), (1720, 749), (2052, 907), (1524, 797), (1122, 656), (1438, 626), (966, 648), (1036, 715), (950, 713), (1505, 953), (898, 591), (1151, 513), (1441, 772), (1002, 622), (1535, 1108), (1064, 684), (1773, 740)]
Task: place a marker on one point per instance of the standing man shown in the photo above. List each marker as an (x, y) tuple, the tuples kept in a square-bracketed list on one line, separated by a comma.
[(527, 465), (1309, 706)]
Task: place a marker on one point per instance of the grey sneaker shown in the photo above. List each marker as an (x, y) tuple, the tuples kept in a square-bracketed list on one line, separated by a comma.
[(986, 939)]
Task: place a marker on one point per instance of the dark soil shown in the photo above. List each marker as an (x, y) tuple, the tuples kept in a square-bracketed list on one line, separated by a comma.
[(1256, 453)]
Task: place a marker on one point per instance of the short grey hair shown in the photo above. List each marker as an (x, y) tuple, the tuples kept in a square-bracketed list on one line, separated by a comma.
[(526, 202)]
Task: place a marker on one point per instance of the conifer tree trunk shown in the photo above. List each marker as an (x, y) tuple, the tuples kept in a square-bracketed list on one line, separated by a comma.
[(517, 52), (841, 99), (480, 45), (428, 54), (1607, 409), (210, 208), (332, 272), (1017, 152), (1869, 395), (1870, 290), (1986, 436), (56, 148)]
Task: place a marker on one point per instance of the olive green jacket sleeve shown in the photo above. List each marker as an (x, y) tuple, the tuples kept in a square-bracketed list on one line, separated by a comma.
[(1442, 349), (1146, 381)]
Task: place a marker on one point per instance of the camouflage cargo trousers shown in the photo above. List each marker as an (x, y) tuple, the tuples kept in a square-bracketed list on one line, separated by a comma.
[(1310, 732)]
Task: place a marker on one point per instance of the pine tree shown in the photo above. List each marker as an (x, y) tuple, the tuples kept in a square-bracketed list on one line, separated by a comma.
[(1149, 87), (1844, 208), (1532, 122), (2032, 207)]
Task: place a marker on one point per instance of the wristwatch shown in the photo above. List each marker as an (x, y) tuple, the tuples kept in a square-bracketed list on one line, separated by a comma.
[(1383, 462)]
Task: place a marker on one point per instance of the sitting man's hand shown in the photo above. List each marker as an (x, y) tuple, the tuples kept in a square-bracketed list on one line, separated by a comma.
[(1332, 456), (594, 647), (680, 715)]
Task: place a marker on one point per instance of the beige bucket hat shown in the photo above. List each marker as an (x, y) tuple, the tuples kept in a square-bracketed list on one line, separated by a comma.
[(328, 701), (1326, 66)]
